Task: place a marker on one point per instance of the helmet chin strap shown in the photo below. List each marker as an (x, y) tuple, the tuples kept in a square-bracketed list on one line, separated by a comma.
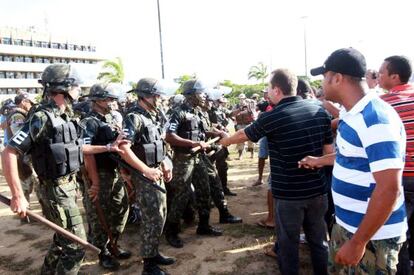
[(101, 109)]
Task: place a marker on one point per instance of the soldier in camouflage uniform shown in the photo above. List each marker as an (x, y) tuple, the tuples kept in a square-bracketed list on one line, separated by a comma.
[(187, 130), (218, 117), (50, 137), (15, 121), (216, 188), (147, 155), (106, 192)]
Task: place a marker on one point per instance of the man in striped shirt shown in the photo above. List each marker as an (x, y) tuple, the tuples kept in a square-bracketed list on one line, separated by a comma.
[(294, 129), (366, 185), (394, 74)]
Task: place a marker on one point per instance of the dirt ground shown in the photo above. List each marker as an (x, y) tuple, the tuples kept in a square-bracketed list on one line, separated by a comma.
[(238, 251)]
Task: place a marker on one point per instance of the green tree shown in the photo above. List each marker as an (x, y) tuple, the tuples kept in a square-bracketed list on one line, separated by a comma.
[(258, 72), (114, 71), (181, 79)]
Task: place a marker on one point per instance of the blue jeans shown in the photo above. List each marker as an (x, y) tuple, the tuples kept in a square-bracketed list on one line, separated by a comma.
[(290, 216)]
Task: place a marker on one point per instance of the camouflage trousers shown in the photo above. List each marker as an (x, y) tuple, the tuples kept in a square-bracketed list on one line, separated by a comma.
[(28, 185), (188, 170), (216, 189), (113, 201), (220, 160), (153, 206), (59, 206), (381, 256)]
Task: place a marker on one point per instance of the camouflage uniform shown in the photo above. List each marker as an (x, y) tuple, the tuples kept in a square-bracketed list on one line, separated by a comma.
[(57, 194), (381, 256), (151, 202), (28, 177), (99, 130), (188, 169), (218, 116)]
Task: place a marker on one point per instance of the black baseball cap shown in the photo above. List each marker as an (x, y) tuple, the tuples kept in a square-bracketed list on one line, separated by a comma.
[(346, 61)]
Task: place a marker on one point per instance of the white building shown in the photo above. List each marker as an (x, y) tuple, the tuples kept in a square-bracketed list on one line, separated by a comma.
[(24, 54)]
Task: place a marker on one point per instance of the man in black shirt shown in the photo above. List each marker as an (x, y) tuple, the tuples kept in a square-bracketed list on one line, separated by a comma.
[(294, 128)]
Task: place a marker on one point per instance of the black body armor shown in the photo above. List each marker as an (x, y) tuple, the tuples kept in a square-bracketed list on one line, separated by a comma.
[(150, 148), (58, 154), (104, 135)]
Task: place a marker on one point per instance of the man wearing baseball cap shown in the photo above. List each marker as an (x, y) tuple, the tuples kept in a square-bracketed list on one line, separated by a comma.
[(367, 176)]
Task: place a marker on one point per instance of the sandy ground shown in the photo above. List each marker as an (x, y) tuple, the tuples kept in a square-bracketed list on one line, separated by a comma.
[(238, 251)]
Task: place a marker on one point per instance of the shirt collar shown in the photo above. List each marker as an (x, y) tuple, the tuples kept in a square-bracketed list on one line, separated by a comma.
[(403, 87), (289, 99), (359, 106)]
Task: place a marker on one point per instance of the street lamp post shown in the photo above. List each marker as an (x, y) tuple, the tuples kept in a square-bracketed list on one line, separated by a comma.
[(304, 43), (160, 32)]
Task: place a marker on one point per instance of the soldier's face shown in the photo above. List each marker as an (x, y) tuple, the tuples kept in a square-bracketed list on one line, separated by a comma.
[(74, 93), (201, 97)]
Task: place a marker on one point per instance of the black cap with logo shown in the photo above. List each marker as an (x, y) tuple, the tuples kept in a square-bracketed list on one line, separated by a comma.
[(347, 61)]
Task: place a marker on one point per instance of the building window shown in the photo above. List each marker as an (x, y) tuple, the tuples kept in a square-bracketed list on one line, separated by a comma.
[(38, 60), (2, 75), (18, 59), (19, 75), (10, 91), (28, 59), (7, 58), (46, 60), (6, 40), (44, 44), (54, 45), (62, 46), (37, 44), (38, 75), (18, 42), (71, 47), (27, 43), (31, 90), (29, 75), (9, 75)]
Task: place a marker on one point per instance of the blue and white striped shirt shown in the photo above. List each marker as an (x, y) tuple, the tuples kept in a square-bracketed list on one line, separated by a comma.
[(371, 138)]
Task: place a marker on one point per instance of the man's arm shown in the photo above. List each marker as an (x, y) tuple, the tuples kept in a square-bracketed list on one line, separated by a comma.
[(19, 203), (92, 174), (380, 206), (238, 137), (328, 159), (128, 155)]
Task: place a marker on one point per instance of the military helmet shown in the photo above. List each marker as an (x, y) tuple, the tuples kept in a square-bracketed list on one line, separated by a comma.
[(104, 91), (147, 87), (178, 99), (242, 96), (59, 77), (193, 86)]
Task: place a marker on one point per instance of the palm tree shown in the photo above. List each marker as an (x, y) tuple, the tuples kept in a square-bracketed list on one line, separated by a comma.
[(114, 71), (258, 72)]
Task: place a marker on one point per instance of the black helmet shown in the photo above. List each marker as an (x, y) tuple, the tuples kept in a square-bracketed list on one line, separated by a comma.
[(147, 87), (59, 77), (104, 91), (193, 86)]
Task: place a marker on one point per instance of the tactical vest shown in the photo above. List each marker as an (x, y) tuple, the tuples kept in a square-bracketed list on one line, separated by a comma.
[(217, 116), (58, 154), (192, 128), (149, 147), (104, 135)]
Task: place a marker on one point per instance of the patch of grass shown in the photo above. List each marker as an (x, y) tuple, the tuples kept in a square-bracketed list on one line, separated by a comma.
[(242, 230)]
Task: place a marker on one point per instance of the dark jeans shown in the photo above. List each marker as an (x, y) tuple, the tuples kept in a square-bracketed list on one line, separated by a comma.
[(406, 252), (290, 216)]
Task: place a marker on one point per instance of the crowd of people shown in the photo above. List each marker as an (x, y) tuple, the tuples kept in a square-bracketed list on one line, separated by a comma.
[(340, 164)]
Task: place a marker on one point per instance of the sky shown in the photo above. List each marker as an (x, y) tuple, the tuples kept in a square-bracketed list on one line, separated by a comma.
[(221, 39)]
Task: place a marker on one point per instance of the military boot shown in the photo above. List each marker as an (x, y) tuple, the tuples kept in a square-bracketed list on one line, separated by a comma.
[(228, 192), (226, 217), (205, 229), (107, 261), (120, 253), (171, 235), (151, 268), (163, 260)]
